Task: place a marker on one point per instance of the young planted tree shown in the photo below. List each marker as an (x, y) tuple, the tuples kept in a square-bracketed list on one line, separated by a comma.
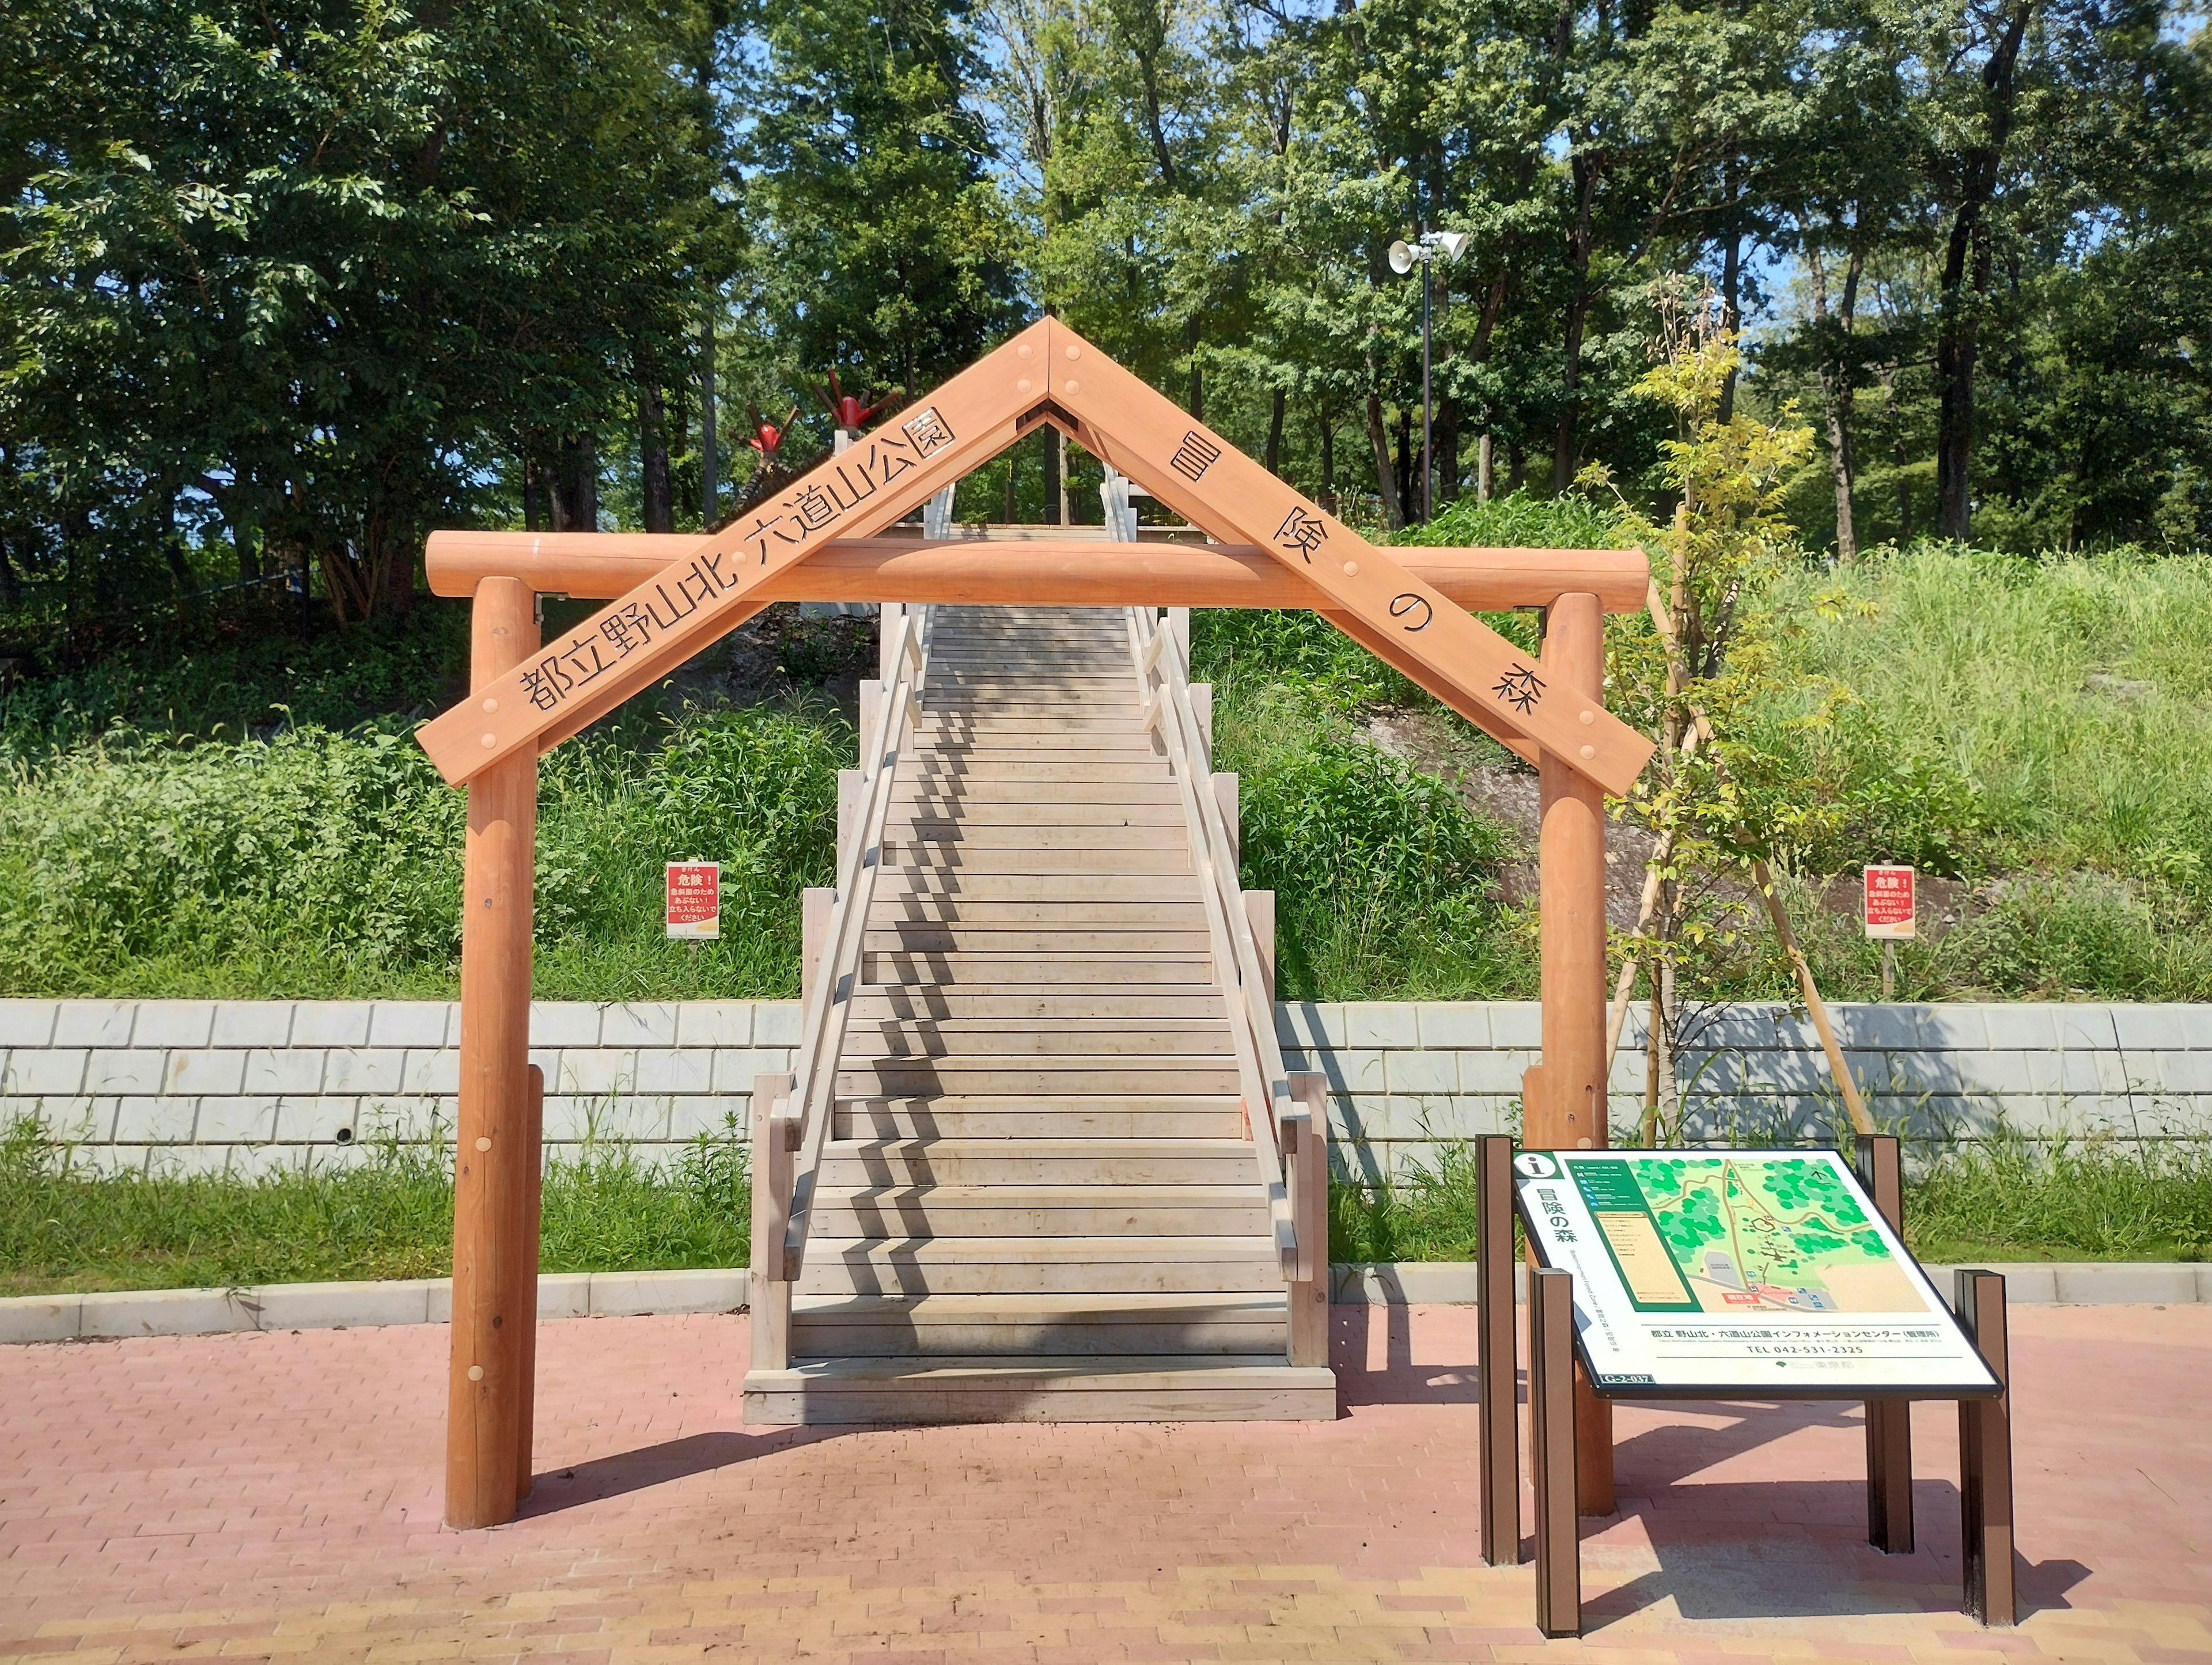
[(1709, 651)]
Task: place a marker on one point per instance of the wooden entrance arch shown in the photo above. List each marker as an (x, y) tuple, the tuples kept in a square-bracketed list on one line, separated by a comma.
[(817, 540)]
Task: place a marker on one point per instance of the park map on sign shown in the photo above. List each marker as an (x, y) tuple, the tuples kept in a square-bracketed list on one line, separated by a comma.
[(1746, 1235)]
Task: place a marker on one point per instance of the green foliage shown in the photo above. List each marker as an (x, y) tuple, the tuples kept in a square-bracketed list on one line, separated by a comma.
[(1522, 521), (2092, 1198), (227, 682), (318, 864), (389, 1214), (2003, 1198), (1383, 876)]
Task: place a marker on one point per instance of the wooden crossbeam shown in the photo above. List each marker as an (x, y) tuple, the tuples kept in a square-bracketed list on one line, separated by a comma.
[(1046, 373), (1061, 572), (650, 630), (1394, 614)]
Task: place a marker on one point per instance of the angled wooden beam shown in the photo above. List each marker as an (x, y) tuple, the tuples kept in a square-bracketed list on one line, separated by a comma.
[(653, 627), (1405, 622), (1070, 572)]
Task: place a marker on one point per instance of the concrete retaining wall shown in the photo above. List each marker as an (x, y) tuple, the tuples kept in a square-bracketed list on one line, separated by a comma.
[(194, 1085)]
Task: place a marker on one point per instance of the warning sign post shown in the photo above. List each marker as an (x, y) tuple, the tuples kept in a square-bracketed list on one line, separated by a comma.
[(694, 899)]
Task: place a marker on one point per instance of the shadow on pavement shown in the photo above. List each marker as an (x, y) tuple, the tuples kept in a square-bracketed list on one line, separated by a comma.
[(556, 1489)]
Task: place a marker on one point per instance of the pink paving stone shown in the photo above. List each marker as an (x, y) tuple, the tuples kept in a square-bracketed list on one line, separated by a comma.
[(225, 1486)]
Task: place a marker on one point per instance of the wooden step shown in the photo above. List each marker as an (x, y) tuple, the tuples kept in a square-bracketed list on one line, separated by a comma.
[(957, 1210), (1040, 1116), (923, 858), (923, 1077), (999, 1326), (1189, 974), (1076, 1163), (1079, 887), (936, 1037), (1136, 1388), (876, 1003), (896, 912), (927, 938), (1020, 1264)]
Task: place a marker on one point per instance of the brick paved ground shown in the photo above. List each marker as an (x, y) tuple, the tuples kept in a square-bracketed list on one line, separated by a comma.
[(254, 1497)]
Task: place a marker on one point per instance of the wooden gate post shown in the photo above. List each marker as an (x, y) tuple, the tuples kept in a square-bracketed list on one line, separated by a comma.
[(494, 1230), (1563, 1098)]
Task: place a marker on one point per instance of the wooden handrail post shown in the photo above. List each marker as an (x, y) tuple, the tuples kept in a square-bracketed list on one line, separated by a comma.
[(1564, 1102), (775, 1129), (1496, 1344), (1985, 1454), (495, 1228), (1305, 1167), (1888, 1421)]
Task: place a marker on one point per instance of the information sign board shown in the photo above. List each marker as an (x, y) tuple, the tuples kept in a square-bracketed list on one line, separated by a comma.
[(1889, 910), (694, 899), (1728, 1273)]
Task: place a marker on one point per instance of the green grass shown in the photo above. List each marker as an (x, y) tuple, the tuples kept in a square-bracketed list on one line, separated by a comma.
[(2005, 1198), (322, 864), (390, 1215)]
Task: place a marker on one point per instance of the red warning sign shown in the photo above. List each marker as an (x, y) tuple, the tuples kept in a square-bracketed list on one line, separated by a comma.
[(1890, 910), (694, 899)]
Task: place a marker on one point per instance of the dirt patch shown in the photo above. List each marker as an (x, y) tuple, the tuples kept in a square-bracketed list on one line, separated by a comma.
[(1507, 793)]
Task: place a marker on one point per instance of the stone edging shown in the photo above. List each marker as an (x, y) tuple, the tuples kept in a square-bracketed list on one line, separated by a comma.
[(116, 1315)]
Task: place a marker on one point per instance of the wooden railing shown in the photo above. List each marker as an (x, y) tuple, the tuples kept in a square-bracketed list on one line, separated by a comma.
[(1281, 1123), (793, 1125)]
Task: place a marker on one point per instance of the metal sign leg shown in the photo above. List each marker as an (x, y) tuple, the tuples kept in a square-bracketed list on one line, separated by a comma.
[(1888, 1421), (1496, 1349), (1552, 1450), (1986, 1456)]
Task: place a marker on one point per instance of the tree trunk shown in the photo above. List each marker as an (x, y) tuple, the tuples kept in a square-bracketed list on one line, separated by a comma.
[(1329, 457), (1897, 458), (1051, 477), (653, 484), (1275, 406), (575, 485), (1197, 381), (710, 461), (1578, 304), (1965, 280), (1408, 490), (533, 511), (1836, 383), (1486, 454), (1386, 478), (1731, 304)]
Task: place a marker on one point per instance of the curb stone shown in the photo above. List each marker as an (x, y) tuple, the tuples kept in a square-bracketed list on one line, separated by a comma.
[(114, 1314), (369, 1305)]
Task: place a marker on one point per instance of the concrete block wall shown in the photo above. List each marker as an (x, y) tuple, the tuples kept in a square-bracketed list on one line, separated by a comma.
[(196, 1084), (1407, 1077), (199, 1085)]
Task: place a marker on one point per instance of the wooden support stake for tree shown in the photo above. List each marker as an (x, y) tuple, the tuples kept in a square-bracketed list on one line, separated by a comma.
[(494, 1231), (1762, 878)]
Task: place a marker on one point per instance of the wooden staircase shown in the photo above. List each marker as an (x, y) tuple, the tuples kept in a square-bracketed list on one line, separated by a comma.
[(1038, 1197)]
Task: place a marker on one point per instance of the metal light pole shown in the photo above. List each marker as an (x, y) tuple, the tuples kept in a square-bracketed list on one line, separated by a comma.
[(1404, 258)]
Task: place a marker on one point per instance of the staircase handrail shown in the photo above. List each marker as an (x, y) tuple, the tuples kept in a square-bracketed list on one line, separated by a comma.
[(836, 979), (1163, 676)]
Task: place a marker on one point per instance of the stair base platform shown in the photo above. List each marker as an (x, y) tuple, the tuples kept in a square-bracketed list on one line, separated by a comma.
[(1128, 1388)]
